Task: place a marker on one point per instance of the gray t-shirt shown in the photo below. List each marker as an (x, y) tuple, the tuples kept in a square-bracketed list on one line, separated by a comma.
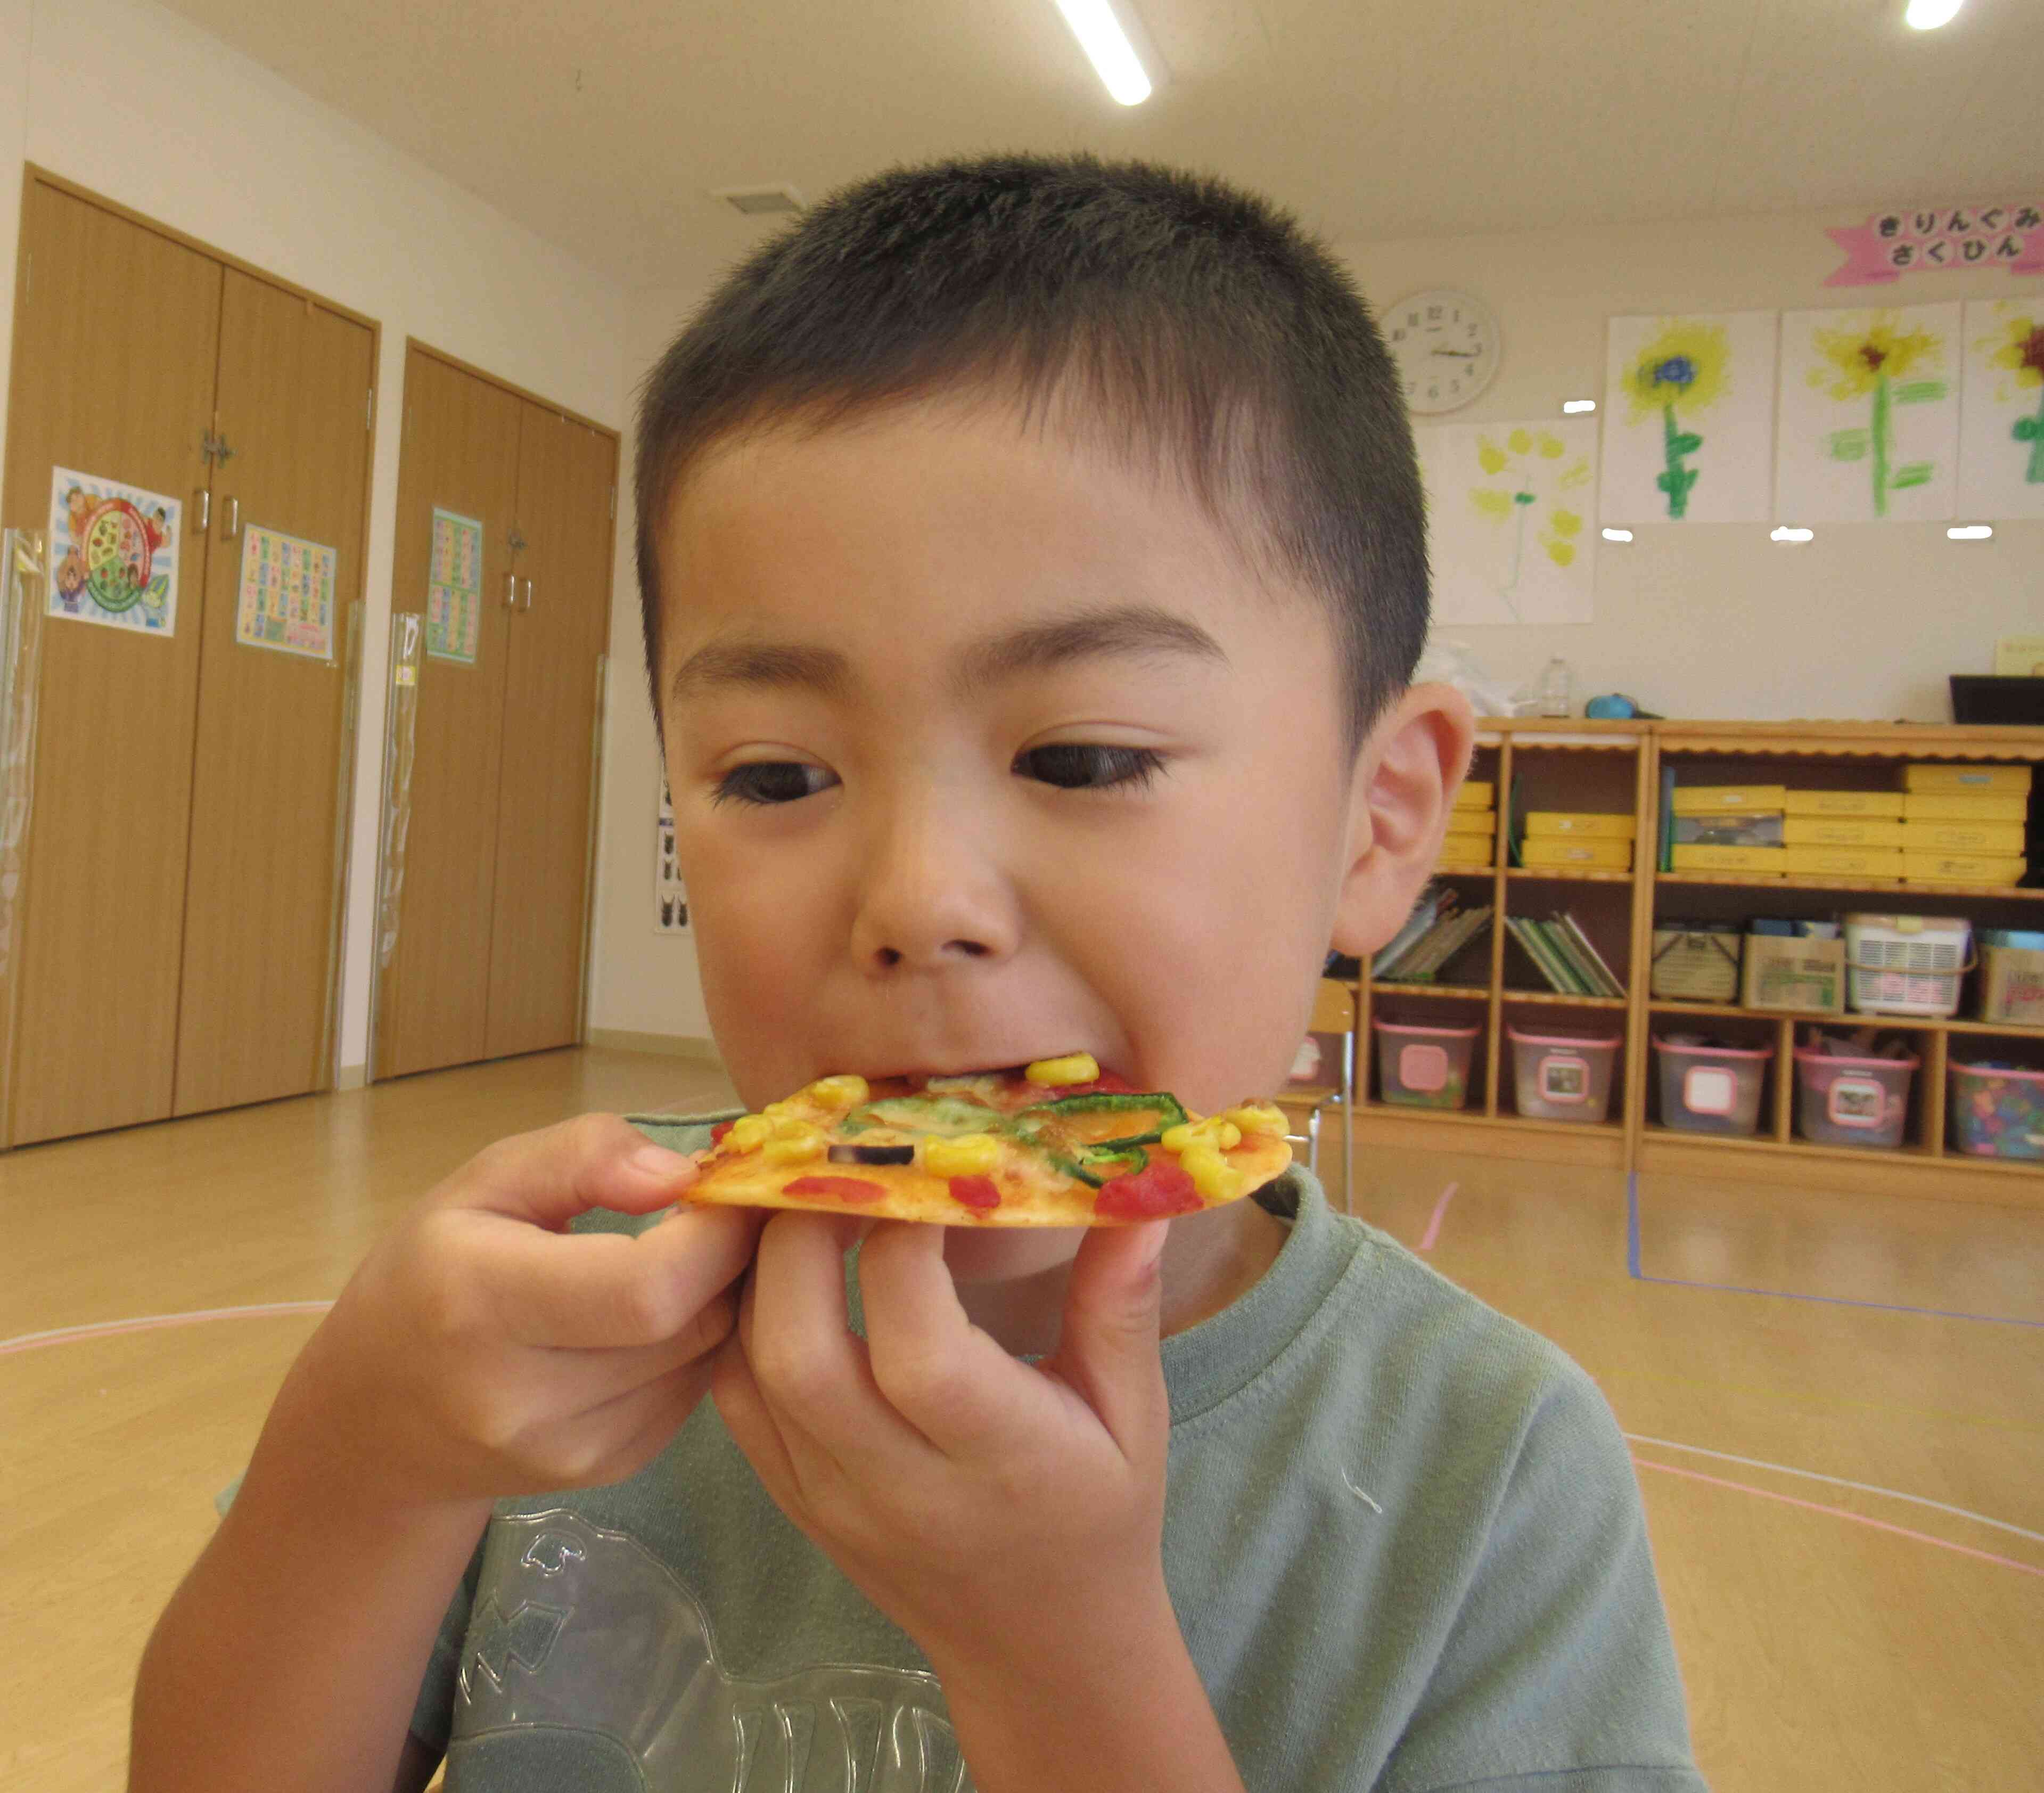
[(1402, 1537)]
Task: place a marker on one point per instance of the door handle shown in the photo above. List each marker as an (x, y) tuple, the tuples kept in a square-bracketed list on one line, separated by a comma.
[(205, 509), (528, 595), (233, 524), (510, 592)]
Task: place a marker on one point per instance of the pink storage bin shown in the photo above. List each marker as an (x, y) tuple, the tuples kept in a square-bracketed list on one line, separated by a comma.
[(1711, 1089), (1562, 1076), (1842, 1101), (1423, 1066)]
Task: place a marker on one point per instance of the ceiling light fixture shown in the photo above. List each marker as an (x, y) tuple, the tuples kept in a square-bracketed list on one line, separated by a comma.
[(1928, 15), (1571, 406), (759, 202), (1970, 532), (1102, 36), (1787, 534), (1618, 535)]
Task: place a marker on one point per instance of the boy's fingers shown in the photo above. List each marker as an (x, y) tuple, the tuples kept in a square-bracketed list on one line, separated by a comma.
[(1107, 1349), (594, 1290), (549, 1177)]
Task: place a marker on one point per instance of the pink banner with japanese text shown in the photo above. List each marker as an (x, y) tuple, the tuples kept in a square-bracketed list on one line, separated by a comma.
[(1914, 239)]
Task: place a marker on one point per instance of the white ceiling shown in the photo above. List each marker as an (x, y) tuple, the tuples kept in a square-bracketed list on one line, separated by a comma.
[(604, 125)]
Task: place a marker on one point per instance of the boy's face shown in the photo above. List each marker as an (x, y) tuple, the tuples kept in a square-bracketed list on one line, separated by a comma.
[(986, 748)]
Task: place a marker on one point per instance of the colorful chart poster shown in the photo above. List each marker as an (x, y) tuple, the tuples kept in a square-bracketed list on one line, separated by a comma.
[(671, 901), (1867, 428), (113, 548), (454, 588), (285, 602), (1689, 430), (1510, 523), (2001, 410)]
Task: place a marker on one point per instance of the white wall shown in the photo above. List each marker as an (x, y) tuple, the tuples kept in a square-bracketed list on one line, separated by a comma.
[(134, 102), (1714, 619)]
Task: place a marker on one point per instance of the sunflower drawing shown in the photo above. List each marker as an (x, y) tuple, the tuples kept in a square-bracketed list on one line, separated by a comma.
[(1519, 496), (2022, 354), (1873, 359), (1689, 364)]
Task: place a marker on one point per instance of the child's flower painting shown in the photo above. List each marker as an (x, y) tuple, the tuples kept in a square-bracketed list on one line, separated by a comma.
[(1689, 430), (1869, 418), (2001, 428), (1511, 519)]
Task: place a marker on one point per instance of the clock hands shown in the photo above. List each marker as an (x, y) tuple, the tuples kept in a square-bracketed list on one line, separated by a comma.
[(1459, 354)]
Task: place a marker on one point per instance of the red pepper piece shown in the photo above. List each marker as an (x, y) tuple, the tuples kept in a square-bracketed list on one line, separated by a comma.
[(975, 1192), (1161, 1187), (844, 1188), (716, 1133)]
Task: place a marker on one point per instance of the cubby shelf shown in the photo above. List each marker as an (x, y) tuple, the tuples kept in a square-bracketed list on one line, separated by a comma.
[(1614, 767)]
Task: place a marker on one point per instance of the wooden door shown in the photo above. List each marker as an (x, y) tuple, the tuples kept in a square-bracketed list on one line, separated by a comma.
[(460, 454), (566, 471), (117, 329), (261, 888)]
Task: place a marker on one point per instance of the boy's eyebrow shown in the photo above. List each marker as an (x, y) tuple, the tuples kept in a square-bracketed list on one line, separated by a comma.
[(1130, 630)]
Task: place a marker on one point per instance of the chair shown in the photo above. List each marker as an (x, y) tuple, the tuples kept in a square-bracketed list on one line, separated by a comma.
[(1333, 1012)]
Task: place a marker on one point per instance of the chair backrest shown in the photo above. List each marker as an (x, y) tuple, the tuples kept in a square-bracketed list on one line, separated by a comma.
[(1334, 1007)]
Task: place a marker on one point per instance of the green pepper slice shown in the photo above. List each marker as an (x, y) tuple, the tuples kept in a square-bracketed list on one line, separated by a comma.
[(1169, 1110)]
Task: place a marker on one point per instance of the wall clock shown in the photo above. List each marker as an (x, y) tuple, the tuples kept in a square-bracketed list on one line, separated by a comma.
[(1445, 344)]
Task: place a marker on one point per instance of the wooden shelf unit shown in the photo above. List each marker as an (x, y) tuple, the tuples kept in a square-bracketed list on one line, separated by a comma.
[(1615, 767)]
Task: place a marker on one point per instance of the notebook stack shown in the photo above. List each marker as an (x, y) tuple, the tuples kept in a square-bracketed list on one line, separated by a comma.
[(1472, 841), (1965, 824), (1730, 827), (1577, 841)]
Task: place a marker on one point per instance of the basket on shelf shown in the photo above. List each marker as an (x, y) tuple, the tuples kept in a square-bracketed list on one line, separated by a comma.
[(1907, 965)]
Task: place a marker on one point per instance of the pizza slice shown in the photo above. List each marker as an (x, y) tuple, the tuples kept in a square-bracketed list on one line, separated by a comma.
[(1054, 1143)]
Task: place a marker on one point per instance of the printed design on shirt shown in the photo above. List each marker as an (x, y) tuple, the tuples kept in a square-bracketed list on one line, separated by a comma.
[(577, 1629)]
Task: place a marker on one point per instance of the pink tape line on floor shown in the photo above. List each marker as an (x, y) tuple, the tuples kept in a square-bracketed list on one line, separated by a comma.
[(154, 1322), (1433, 1222), (1840, 1512)]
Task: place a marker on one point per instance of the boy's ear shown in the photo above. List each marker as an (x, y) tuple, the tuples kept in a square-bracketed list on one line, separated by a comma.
[(1406, 773)]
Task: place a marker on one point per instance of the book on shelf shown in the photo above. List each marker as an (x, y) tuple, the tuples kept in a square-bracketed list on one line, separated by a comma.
[(1418, 958), (1602, 980), (1563, 954)]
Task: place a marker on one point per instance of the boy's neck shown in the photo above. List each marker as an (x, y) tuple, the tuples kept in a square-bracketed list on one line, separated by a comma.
[(1209, 1261)]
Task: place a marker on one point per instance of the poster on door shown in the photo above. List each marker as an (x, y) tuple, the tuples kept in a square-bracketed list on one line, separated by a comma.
[(671, 901), (285, 602), (113, 550), (454, 588)]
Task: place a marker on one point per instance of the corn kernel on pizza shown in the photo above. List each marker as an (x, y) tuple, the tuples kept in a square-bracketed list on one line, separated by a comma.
[(1054, 1143)]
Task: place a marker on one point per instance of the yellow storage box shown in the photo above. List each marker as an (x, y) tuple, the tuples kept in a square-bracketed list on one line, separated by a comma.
[(1842, 862), (1600, 855), (1833, 831), (1734, 799), (1771, 860), (1473, 822), (1967, 777), (1997, 840), (1545, 823), (1874, 803), (1938, 805), (1960, 868), (1476, 794)]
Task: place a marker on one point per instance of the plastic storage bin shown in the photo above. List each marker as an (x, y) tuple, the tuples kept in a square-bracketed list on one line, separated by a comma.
[(1423, 1066), (1906, 964), (1842, 1101), (1711, 1089), (1562, 1076), (1997, 1110)]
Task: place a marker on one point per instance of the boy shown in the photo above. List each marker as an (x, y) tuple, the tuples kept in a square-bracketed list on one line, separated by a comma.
[(1033, 567)]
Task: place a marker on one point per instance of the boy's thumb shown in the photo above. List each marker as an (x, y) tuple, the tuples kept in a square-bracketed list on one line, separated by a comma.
[(1107, 1348)]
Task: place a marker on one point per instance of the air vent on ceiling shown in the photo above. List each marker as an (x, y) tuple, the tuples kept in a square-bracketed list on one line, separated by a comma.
[(760, 201)]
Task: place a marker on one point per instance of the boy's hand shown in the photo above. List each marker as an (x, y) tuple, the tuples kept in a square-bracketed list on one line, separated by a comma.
[(1009, 1517), (482, 1350)]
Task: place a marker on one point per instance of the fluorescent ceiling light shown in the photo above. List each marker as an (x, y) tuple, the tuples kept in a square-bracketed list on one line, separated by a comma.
[(1928, 15), (1572, 406), (1106, 44), (1971, 532), (1786, 533), (1618, 535)]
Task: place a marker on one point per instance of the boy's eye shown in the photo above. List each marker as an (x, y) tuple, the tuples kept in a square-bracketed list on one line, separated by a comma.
[(1080, 766), (771, 781)]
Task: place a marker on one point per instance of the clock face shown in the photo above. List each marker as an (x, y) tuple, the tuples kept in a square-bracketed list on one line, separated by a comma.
[(1445, 344)]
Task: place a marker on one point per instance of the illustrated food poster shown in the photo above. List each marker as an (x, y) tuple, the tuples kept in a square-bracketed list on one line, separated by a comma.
[(1868, 425), (286, 597), (454, 587), (2001, 426), (1511, 520), (113, 548), (670, 902), (1689, 430)]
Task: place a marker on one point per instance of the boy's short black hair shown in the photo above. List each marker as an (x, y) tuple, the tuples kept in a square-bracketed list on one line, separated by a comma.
[(1199, 325)]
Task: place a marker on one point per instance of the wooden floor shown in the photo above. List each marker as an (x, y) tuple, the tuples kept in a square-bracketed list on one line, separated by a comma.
[(1836, 1638)]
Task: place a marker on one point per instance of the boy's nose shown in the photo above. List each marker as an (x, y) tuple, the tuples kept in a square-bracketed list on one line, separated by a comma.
[(930, 898)]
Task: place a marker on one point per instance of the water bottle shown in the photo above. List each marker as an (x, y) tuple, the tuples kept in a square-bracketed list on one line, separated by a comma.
[(1554, 693)]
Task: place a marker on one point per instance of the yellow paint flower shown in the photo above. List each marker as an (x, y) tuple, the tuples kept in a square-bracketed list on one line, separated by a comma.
[(1491, 502), (1861, 359), (2023, 354), (1519, 441), (1688, 365), (1488, 456), (1565, 523)]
